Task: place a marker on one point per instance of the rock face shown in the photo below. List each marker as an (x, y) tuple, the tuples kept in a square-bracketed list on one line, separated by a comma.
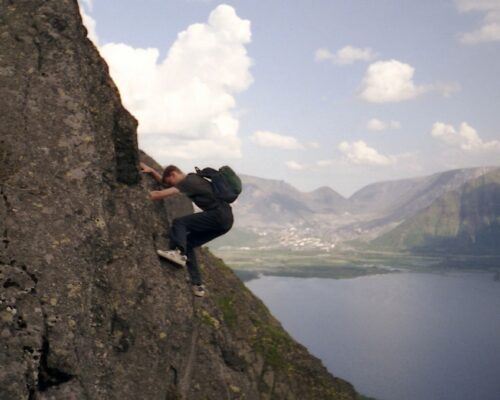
[(87, 309)]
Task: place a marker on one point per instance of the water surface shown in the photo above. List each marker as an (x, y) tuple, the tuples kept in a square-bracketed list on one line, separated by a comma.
[(405, 336)]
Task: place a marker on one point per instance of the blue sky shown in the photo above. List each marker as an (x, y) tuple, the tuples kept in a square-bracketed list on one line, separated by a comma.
[(262, 86)]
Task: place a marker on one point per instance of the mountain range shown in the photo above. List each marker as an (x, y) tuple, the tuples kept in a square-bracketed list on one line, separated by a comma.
[(462, 221), (401, 215), (269, 202)]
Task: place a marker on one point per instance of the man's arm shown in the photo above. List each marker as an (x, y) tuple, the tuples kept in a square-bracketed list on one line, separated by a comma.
[(148, 170), (161, 194)]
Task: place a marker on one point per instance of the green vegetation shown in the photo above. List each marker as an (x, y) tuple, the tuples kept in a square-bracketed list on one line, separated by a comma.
[(226, 305), (273, 343), (248, 264), (345, 264)]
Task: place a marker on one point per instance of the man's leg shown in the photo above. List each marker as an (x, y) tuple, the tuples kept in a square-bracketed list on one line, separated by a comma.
[(198, 222), (192, 266), (195, 240), (177, 234)]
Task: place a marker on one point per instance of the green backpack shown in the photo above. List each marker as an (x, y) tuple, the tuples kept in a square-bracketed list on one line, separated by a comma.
[(225, 182)]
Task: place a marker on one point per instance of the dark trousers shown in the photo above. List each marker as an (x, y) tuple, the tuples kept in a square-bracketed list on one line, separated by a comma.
[(193, 230)]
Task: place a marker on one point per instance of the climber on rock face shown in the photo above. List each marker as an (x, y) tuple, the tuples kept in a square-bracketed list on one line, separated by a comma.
[(193, 230)]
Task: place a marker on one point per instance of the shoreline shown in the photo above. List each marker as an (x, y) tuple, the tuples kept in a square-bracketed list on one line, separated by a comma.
[(250, 264)]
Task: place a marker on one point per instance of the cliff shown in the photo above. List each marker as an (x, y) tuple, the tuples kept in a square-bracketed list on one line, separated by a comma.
[(87, 310)]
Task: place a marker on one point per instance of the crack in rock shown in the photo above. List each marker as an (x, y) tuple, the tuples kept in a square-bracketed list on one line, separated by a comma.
[(49, 376)]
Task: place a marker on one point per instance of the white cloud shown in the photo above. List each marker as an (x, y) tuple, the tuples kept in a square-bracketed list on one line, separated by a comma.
[(324, 163), (377, 125), (466, 137), (296, 166), (89, 23), (489, 31), (346, 55), (477, 5), (360, 153), (392, 81), (185, 102), (271, 139), (445, 89), (323, 54)]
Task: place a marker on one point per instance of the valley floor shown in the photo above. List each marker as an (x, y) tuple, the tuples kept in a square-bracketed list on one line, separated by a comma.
[(249, 262)]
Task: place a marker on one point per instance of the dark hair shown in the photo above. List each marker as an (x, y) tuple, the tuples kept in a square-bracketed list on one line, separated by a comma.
[(168, 171)]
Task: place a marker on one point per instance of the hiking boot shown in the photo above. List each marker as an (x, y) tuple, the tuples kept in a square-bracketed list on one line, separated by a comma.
[(174, 256), (199, 290)]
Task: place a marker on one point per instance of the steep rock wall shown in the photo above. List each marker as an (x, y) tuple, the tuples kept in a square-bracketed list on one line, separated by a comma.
[(87, 310)]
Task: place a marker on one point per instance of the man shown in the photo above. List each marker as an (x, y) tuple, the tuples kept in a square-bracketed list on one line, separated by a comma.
[(191, 231)]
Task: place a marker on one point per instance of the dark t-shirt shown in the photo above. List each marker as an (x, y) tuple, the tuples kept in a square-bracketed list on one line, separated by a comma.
[(199, 190)]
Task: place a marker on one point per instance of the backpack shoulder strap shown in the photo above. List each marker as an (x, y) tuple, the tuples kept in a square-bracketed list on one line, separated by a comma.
[(206, 172)]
